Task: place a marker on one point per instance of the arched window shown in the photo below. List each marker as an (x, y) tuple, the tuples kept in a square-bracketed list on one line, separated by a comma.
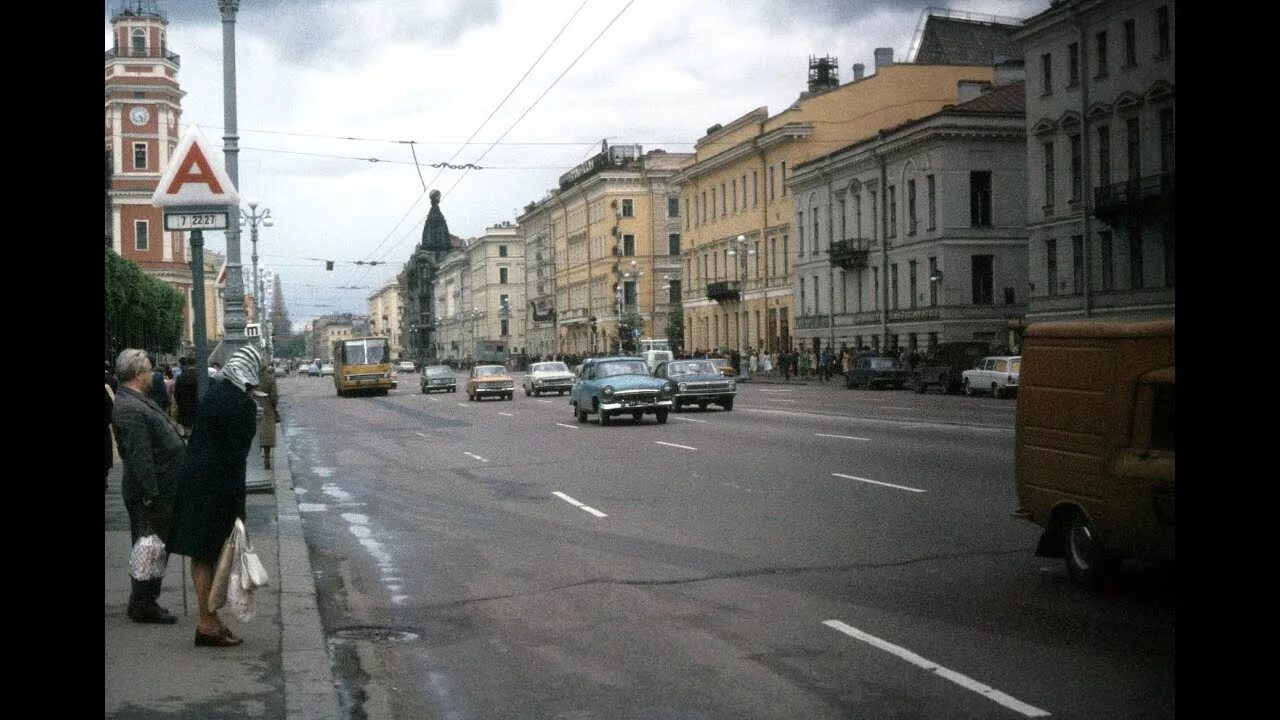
[(138, 45)]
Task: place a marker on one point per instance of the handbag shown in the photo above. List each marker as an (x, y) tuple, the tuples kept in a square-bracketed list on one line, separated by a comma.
[(148, 559)]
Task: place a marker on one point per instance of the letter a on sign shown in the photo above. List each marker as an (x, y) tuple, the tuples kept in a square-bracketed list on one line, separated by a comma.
[(194, 176)]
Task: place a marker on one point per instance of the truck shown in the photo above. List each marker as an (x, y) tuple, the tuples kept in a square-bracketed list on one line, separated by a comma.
[(944, 364), (655, 351)]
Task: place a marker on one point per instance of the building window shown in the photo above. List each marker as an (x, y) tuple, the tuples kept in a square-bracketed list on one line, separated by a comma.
[(139, 156), (140, 242), (782, 176), (755, 188), (875, 288), (1077, 169), (506, 327), (786, 259), (673, 243), (704, 207), (673, 207), (1073, 65), (629, 293), (1051, 266), (813, 242), (933, 202), (502, 251), (1101, 43), (673, 291), (1134, 139), (744, 192), (1104, 155), (724, 204), (628, 210), (875, 222), (844, 228), (817, 296), (1135, 258), (799, 233), (1130, 43), (735, 196), (983, 280), (933, 286), (628, 245), (911, 207), (857, 215), (911, 279), (502, 276), (980, 198), (893, 211), (1163, 47), (1108, 261), (1048, 175), (1166, 140), (713, 202), (757, 249), (686, 213), (1046, 74), (138, 38), (804, 306), (1077, 264), (893, 286), (771, 183)]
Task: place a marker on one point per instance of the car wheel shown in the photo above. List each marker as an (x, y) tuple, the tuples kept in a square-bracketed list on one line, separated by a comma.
[(968, 389), (424, 391), (1087, 561), (636, 416), (728, 406), (471, 398), (995, 391), (662, 417), (605, 420), (511, 395), (527, 393), (580, 413)]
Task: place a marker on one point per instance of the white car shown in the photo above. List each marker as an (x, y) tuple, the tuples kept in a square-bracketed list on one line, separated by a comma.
[(544, 377), (997, 375), (404, 366), (326, 369)]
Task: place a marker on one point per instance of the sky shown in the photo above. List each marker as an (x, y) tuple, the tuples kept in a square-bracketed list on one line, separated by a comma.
[(329, 95)]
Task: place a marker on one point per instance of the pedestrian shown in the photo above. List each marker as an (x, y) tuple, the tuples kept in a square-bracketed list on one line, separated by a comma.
[(185, 392), (784, 362), (158, 393), (753, 364), (269, 399), (152, 454), (824, 364), (211, 493), (215, 366)]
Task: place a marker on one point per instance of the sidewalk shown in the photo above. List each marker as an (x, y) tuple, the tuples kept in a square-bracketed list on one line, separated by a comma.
[(282, 669)]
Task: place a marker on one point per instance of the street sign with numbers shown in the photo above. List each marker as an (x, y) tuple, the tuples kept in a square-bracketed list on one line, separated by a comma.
[(184, 219)]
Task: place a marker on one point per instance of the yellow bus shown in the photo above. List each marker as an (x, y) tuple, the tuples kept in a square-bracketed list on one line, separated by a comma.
[(362, 364)]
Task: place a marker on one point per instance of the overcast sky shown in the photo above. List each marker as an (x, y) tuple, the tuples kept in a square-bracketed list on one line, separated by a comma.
[(312, 72)]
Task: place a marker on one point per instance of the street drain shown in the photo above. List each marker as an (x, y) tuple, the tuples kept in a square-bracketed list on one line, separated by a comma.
[(375, 633)]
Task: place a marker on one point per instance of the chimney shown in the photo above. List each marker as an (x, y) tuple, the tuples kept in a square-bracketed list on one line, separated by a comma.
[(967, 90), (858, 69), (884, 58)]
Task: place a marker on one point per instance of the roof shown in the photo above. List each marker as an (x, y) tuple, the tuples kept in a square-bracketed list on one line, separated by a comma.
[(1011, 98), (958, 41)]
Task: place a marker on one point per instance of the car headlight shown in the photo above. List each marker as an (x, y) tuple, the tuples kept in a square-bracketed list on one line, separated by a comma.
[(732, 384), (668, 389), (684, 386), (607, 390)]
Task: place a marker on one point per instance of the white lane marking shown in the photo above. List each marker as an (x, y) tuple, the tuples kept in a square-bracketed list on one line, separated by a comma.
[(507, 414), (877, 482), (398, 599), (322, 471), (356, 518), (577, 504), (689, 419), (571, 427), (300, 491), (963, 681), (462, 405), (336, 492), (360, 531), (896, 407), (549, 402), (477, 457), (842, 437), (686, 447), (312, 507), (780, 400), (776, 391), (421, 435), (906, 423)]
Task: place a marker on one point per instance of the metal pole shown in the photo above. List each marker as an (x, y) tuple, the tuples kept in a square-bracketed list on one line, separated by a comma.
[(257, 295), (197, 310), (234, 318)]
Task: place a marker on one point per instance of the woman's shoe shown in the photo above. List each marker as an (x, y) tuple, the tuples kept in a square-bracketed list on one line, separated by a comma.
[(218, 640)]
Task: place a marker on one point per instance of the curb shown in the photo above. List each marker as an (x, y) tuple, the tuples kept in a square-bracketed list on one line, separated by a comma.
[(308, 680)]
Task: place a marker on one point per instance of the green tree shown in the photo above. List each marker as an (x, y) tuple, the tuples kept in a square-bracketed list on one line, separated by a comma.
[(627, 325), (142, 312), (675, 331)]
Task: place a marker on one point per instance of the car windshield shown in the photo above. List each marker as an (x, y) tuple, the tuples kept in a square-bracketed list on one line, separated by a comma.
[(880, 363), (490, 371), (550, 367), (700, 367), (622, 367), (439, 371)]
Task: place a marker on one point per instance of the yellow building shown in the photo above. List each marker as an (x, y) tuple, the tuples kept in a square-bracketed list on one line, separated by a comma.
[(615, 228), (384, 317), (740, 247)]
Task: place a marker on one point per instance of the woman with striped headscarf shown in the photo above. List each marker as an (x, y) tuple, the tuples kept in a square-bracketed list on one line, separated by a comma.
[(211, 492)]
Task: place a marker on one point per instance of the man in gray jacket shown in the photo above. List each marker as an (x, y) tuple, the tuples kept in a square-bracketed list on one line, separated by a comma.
[(151, 450)]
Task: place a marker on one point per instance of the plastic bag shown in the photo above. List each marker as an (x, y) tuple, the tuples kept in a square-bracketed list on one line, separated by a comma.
[(247, 574), (148, 559)]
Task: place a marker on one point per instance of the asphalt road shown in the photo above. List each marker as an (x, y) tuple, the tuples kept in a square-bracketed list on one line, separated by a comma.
[(816, 553)]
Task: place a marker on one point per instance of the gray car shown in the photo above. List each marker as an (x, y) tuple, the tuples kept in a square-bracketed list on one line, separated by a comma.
[(438, 377), (698, 382), (551, 376)]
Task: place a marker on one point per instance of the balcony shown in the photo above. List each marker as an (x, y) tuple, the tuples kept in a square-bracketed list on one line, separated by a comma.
[(724, 291), (574, 315), (1147, 197), (850, 254), (152, 53)]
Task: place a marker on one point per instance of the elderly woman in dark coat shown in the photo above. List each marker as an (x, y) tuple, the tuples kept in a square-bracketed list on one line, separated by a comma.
[(211, 494)]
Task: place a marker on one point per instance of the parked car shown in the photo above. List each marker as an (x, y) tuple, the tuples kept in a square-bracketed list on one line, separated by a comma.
[(870, 372), (997, 375), (551, 376), (698, 382), (945, 364), (313, 370), (438, 377), (610, 386), (326, 369), (490, 380), (405, 366)]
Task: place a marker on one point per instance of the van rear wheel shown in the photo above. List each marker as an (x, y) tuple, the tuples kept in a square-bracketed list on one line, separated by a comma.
[(1087, 561)]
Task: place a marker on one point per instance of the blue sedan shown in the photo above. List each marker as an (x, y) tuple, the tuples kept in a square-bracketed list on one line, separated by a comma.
[(612, 386)]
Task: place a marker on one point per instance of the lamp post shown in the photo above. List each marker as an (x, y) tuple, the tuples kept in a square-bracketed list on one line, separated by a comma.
[(633, 274), (741, 253), (234, 317), (254, 219)]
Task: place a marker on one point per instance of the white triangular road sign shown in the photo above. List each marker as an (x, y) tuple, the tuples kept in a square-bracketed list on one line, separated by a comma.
[(195, 176)]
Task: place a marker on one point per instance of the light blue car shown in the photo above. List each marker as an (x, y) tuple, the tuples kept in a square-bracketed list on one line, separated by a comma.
[(611, 386)]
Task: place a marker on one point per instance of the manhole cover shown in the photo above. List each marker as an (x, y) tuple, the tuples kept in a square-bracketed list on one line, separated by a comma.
[(373, 632)]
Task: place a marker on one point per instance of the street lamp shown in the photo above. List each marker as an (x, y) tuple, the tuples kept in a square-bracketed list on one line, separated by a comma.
[(255, 218), (633, 274), (743, 253)]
